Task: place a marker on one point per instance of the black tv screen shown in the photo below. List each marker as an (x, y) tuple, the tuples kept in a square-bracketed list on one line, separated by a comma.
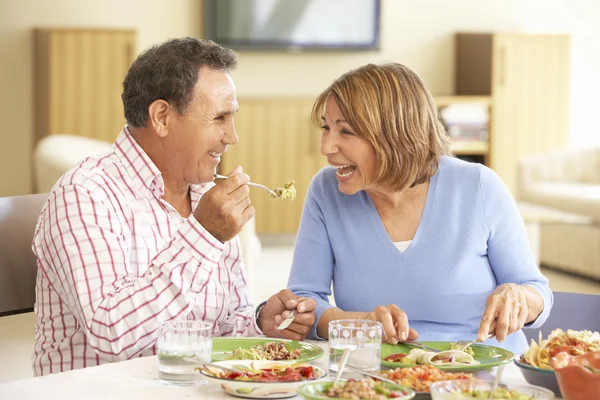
[(293, 24)]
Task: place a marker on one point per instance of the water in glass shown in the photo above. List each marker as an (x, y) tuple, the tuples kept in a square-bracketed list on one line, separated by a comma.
[(362, 337), (178, 341)]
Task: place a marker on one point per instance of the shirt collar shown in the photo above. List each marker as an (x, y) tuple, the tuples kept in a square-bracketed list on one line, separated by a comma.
[(145, 175)]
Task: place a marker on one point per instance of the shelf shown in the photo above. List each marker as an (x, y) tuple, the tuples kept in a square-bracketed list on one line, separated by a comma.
[(447, 100), (468, 148)]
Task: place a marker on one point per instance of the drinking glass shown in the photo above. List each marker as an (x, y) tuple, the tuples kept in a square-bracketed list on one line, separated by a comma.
[(362, 337), (178, 343)]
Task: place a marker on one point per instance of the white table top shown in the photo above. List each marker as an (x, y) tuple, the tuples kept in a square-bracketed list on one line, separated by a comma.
[(137, 379)]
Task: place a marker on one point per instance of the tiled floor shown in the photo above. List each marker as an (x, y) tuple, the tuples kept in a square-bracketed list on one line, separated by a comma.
[(273, 267)]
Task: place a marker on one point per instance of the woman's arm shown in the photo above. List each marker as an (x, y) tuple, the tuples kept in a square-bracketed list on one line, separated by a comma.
[(312, 266), (523, 292)]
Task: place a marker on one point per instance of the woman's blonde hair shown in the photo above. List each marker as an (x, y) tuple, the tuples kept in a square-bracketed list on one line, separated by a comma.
[(389, 106)]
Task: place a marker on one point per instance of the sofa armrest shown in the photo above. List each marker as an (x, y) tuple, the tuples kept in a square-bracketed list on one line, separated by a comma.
[(573, 165)]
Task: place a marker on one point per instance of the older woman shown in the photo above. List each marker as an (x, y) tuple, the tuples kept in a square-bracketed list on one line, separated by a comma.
[(423, 242)]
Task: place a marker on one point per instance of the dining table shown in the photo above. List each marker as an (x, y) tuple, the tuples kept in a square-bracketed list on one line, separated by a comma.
[(137, 379)]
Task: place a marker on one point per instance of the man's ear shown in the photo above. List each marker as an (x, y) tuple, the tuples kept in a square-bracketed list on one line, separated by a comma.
[(159, 116)]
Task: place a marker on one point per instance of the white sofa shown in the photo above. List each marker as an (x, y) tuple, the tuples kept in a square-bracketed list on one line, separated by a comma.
[(56, 154), (568, 182)]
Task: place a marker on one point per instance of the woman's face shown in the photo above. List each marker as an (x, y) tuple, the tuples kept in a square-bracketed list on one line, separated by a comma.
[(354, 158)]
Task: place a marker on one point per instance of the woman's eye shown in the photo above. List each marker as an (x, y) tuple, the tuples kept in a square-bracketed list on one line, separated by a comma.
[(325, 127), (347, 132)]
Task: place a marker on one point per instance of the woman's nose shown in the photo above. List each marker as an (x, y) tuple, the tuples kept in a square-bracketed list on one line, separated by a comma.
[(328, 144)]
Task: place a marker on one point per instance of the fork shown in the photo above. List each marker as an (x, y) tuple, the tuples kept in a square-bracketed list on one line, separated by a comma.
[(287, 321), (258, 185), (467, 343)]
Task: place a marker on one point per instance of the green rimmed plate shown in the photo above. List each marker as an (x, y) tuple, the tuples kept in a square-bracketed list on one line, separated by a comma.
[(314, 391), (488, 356), (224, 346)]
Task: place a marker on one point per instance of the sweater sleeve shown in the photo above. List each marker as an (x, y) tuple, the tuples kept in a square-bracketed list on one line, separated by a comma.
[(312, 266), (509, 253)]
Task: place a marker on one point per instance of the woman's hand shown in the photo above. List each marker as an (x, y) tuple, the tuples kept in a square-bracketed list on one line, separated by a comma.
[(395, 323), (508, 309)]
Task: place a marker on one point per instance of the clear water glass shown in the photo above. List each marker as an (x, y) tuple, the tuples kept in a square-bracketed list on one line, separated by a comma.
[(178, 341), (362, 337)]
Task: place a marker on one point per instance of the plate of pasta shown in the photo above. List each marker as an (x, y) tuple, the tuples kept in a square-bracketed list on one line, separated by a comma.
[(263, 349)]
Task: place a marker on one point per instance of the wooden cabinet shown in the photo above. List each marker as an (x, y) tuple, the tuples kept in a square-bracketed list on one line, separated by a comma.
[(277, 143), (527, 80), (78, 80)]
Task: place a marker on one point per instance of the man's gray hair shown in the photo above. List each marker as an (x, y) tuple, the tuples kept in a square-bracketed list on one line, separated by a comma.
[(169, 71)]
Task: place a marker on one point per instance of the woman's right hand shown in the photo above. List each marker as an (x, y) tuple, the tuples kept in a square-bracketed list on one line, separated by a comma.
[(395, 324)]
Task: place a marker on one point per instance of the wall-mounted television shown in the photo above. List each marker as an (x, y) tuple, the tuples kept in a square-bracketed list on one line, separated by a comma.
[(293, 24)]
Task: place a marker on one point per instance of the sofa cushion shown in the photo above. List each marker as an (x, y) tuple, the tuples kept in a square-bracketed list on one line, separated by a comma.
[(578, 198)]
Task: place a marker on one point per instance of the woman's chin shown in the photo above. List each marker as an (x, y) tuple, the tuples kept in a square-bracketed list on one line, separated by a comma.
[(347, 188)]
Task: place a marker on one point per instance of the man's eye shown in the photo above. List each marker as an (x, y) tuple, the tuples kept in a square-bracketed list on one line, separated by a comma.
[(221, 118)]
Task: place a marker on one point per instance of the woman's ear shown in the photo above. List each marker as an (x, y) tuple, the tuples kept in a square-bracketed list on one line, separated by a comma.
[(158, 112)]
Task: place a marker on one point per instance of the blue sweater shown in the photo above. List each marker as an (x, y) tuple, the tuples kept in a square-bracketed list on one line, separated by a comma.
[(471, 239)]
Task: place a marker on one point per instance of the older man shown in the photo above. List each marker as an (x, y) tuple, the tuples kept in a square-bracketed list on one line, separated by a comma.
[(142, 235)]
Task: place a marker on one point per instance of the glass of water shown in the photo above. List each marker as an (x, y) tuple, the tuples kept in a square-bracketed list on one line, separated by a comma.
[(178, 342), (362, 337)]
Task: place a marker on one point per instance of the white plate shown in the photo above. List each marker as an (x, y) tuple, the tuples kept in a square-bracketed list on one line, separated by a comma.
[(261, 390)]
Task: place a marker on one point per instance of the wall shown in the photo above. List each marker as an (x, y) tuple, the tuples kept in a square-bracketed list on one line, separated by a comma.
[(416, 33), (155, 21)]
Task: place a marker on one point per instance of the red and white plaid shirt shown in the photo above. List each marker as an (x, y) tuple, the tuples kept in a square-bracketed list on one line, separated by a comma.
[(115, 260)]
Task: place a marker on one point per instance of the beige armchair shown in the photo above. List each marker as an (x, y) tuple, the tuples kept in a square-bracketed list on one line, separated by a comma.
[(567, 183), (18, 269)]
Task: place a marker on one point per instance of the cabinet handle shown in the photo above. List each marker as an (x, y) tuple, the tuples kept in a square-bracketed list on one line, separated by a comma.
[(502, 66)]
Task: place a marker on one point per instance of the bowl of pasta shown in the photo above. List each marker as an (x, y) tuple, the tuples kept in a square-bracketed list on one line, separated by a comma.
[(535, 364)]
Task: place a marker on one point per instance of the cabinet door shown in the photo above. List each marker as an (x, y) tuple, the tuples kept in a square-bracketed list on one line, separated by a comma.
[(79, 75), (530, 99), (277, 143)]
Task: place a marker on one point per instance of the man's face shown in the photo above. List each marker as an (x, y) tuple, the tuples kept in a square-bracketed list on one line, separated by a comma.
[(199, 137)]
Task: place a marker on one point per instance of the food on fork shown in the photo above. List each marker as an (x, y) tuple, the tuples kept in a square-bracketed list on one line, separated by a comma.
[(287, 191), (274, 351), (421, 377), (572, 342)]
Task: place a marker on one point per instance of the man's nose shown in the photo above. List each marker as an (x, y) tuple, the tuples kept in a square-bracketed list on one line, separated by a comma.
[(230, 135)]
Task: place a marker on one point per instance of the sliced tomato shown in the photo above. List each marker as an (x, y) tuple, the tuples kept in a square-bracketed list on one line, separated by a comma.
[(395, 357)]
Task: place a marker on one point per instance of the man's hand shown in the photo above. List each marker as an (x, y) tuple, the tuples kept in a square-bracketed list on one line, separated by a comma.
[(279, 306), (225, 208), (395, 323)]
